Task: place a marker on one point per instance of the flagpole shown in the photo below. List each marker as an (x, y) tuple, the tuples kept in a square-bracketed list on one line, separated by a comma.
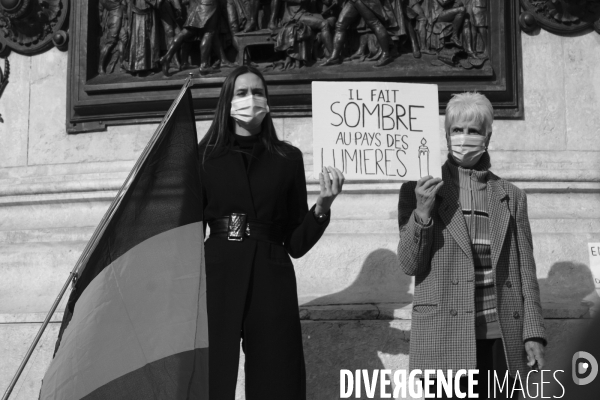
[(91, 244)]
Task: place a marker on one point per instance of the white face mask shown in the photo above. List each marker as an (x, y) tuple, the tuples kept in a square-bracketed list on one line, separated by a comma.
[(467, 149), (249, 111)]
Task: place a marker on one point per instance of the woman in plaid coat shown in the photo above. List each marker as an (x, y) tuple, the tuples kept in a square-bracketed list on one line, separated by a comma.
[(466, 238)]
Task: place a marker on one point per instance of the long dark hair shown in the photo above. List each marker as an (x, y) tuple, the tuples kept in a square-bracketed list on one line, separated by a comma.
[(219, 136)]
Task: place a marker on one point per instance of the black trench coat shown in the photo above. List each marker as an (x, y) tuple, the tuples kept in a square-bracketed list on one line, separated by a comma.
[(251, 285)]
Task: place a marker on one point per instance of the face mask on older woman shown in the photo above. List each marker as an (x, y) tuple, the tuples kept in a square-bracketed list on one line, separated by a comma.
[(249, 111), (467, 149)]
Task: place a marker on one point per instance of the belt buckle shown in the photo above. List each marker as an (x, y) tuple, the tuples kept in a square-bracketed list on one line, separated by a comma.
[(236, 227)]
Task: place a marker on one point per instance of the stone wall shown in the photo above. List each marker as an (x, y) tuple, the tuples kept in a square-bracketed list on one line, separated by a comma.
[(54, 188)]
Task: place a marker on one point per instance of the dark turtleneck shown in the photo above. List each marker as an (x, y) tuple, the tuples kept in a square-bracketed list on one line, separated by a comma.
[(245, 144)]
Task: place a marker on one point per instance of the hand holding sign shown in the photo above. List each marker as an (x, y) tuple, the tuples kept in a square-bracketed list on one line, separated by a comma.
[(330, 188), (427, 188), (376, 130)]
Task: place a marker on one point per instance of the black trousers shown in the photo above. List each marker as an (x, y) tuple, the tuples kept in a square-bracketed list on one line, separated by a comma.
[(258, 305), (490, 358)]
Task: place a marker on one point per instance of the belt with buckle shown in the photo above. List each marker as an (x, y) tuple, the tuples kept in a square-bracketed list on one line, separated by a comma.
[(236, 227)]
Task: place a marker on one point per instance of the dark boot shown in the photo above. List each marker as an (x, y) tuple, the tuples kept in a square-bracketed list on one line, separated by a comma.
[(336, 55), (384, 43), (205, 47), (457, 25), (326, 36), (164, 64), (466, 33), (385, 59)]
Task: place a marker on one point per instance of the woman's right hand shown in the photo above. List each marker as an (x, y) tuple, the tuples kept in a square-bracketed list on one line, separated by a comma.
[(426, 190), (330, 188)]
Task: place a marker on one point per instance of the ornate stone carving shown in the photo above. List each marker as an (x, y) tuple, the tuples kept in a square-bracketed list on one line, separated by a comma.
[(560, 16), (293, 33), (4, 79), (120, 48), (30, 26)]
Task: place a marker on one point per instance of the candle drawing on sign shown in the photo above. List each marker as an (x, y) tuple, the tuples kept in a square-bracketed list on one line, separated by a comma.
[(424, 158)]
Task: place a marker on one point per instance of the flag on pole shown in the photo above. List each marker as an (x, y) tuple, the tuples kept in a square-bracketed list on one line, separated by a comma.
[(135, 326)]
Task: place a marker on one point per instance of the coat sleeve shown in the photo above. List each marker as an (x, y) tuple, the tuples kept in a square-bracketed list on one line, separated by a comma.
[(533, 321), (415, 238), (303, 230)]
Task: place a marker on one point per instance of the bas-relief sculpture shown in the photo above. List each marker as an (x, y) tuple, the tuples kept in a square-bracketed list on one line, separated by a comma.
[(128, 58), (122, 48), (144, 37), (560, 16)]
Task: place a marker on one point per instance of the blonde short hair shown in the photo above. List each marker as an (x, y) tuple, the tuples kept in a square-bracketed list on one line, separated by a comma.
[(472, 106)]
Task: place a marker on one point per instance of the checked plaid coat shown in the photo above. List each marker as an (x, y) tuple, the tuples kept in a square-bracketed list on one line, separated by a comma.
[(439, 256)]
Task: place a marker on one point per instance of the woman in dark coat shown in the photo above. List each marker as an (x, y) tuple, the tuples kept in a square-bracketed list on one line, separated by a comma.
[(251, 285)]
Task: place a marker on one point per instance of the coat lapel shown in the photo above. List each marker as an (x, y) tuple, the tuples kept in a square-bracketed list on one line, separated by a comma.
[(499, 216), (450, 212)]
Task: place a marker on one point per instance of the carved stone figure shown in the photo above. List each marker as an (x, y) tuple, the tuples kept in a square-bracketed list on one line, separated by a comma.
[(560, 16), (170, 12), (376, 15), (252, 8), (114, 31), (298, 23), (397, 28), (295, 40), (275, 4), (142, 50), (449, 26), (243, 14), (238, 15), (224, 36), (478, 15), (415, 11), (202, 20)]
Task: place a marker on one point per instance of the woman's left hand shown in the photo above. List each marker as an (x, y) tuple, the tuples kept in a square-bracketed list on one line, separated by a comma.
[(330, 188), (535, 354)]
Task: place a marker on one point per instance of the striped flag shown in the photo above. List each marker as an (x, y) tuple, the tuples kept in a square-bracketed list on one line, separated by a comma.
[(135, 326)]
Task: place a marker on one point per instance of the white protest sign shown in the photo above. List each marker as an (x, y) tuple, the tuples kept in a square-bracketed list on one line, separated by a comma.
[(594, 249), (376, 130)]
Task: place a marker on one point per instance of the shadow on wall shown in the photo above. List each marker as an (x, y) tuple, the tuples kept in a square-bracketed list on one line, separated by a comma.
[(330, 346), (380, 280), (568, 282)]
